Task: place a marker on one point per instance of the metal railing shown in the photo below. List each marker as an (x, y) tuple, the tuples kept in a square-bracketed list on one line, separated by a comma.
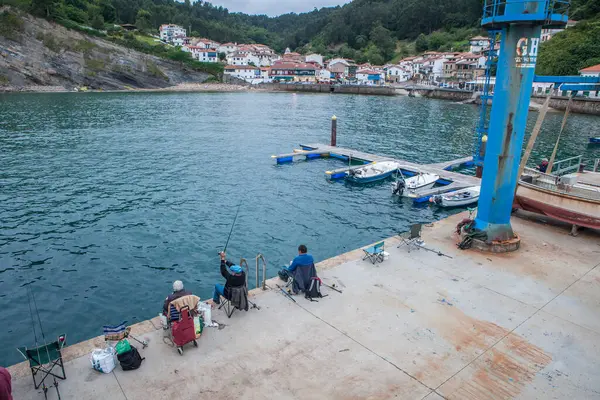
[(260, 257), (567, 165), (532, 10)]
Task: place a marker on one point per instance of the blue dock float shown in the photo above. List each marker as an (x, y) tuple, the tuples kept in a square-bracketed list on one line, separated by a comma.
[(449, 180)]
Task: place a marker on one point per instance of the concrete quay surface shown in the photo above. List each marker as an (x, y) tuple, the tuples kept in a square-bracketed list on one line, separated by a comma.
[(523, 325)]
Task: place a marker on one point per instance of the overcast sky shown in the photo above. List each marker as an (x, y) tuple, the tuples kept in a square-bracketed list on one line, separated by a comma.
[(275, 7)]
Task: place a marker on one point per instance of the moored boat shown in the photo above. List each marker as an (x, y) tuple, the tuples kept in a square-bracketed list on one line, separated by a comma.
[(564, 198), (420, 181), (459, 198), (595, 140), (373, 172)]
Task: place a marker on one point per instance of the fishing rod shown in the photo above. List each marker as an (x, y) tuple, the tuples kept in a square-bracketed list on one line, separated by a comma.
[(232, 225), (286, 294), (332, 287)]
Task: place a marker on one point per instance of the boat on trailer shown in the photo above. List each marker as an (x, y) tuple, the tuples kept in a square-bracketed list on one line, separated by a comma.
[(373, 172), (573, 198), (421, 181), (459, 198)]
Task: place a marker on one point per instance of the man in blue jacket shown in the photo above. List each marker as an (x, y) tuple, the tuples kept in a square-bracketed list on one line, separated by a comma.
[(302, 269)]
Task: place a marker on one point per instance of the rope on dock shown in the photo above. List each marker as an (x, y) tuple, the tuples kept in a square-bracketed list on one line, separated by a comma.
[(467, 228)]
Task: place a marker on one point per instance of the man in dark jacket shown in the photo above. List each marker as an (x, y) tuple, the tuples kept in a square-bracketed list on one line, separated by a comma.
[(236, 278), (5, 384), (178, 291)]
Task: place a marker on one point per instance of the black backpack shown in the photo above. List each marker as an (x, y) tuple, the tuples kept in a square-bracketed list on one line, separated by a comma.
[(284, 274), (314, 289), (130, 359)]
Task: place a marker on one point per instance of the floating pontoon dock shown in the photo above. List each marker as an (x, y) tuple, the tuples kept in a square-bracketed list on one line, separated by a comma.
[(451, 181)]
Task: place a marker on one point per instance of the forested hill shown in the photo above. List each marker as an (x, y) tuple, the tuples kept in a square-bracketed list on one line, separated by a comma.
[(366, 30)]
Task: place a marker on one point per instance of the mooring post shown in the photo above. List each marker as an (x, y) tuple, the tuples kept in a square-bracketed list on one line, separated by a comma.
[(479, 169), (334, 130)]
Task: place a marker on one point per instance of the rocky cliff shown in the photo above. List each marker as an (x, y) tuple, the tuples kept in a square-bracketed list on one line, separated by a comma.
[(36, 54)]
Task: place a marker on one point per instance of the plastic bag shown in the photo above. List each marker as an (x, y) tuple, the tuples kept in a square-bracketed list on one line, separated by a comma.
[(123, 346), (198, 326), (103, 360), (205, 310)]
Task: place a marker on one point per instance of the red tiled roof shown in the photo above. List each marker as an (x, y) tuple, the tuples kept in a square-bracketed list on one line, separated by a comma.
[(593, 68), (240, 67), (291, 65), (368, 72)]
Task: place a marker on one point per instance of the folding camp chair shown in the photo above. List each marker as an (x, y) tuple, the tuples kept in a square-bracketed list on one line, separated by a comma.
[(374, 253), (412, 238), (231, 307), (119, 332), (42, 361)]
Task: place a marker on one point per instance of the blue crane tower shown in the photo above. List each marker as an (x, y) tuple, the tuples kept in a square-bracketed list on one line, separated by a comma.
[(519, 23)]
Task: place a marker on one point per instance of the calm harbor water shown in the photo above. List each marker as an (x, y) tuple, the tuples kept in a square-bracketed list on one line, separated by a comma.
[(105, 199)]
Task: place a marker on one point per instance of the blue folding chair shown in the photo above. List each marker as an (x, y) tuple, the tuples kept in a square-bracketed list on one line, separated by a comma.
[(374, 253)]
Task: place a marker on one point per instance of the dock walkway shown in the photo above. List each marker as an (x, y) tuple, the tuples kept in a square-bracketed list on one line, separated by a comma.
[(522, 325), (451, 180)]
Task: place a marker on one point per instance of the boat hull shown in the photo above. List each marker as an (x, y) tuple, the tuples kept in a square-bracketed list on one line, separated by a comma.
[(570, 209), (369, 179)]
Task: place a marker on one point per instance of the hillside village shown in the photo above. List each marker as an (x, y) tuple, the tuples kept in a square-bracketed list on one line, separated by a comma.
[(258, 63)]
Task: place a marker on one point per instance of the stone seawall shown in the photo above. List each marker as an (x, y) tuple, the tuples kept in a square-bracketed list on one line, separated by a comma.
[(321, 88), (578, 105)]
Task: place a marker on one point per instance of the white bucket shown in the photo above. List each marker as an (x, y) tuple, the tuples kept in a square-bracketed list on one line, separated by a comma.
[(386, 255)]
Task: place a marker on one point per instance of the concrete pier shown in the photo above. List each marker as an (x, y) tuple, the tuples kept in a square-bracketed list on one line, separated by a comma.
[(417, 326)]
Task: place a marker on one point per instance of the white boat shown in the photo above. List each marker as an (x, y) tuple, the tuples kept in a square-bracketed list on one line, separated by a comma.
[(414, 183), (373, 172), (459, 198)]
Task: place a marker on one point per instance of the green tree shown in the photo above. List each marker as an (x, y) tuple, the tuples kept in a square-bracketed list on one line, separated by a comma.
[(222, 56), (382, 38), (143, 19), (421, 43), (98, 22), (43, 8), (373, 55)]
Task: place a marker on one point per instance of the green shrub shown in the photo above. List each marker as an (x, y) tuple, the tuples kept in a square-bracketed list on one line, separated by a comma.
[(153, 70), (52, 44), (95, 64), (11, 25), (4, 80), (84, 46)]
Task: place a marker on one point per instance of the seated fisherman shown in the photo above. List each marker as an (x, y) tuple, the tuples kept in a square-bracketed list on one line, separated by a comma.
[(233, 280), (178, 291), (543, 165), (302, 269)]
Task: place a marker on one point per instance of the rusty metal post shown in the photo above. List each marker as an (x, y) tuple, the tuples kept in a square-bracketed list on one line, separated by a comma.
[(334, 130), (479, 169)]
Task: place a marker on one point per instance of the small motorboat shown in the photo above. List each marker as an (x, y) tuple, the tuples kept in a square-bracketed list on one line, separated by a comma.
[(459, 198), (372, 172), (595, 140), (414, 183)]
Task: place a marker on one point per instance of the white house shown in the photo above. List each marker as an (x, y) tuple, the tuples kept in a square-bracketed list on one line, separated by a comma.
[(228, 48), (179, 40), (479, 44), (591, 71), (370, 77), (242, 58), (208, 55), (324, 75), (317, 58), (249, 73), (207, 43), (397, 73), (170, 31)]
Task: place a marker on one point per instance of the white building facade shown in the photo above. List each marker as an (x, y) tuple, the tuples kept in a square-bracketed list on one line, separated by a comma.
[(169, 31)]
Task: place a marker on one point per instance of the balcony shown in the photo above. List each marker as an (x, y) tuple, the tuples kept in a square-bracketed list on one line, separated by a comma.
[(550, 13)]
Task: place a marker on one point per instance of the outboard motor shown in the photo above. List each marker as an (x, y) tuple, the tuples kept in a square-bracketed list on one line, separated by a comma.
[(399, 187), (437, 199)]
